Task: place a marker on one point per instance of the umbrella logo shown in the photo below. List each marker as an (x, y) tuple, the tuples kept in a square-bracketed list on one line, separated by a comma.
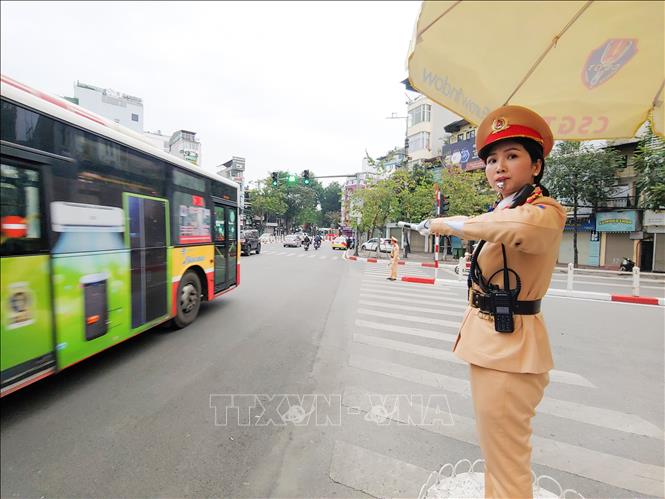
[(606, 61)]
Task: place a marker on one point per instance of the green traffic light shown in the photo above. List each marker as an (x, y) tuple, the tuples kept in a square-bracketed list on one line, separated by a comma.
[(306, 181), (292, 178)]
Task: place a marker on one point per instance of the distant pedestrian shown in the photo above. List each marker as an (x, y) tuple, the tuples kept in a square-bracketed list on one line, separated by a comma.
[(394, 259)]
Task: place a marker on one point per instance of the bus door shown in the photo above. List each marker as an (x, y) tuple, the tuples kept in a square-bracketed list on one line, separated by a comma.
[(226, 246), (27, 350)]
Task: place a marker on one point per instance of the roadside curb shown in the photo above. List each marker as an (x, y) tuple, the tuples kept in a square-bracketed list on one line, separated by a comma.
[(589, 295)]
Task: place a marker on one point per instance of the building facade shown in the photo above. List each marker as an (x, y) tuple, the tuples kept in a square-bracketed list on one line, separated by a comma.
[(234, 169), (158, 139), (185, 145), (124, 109), (426, 134)]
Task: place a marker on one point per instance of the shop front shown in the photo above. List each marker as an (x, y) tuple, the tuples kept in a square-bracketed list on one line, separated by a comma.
[(619, 238), (652, 254), (588, 243)]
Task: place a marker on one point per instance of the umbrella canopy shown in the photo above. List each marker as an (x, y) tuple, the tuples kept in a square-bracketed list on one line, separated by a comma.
[(593, 70)]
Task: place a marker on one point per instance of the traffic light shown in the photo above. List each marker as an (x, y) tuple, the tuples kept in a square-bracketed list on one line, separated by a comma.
[(305, 177), (275, 179), (445, 204), (292, 178)]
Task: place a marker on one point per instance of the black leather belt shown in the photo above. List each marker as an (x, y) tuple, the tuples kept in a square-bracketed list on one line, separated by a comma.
[(484, 303)]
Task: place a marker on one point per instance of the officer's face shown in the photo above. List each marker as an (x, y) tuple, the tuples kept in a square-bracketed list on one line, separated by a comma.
[(510, 163)]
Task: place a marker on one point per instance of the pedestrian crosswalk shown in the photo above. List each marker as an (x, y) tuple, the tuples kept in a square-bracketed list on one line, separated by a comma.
[(397, 322), (300, 253)]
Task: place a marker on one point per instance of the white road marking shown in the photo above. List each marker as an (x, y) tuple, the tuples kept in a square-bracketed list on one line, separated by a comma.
[(434, 300), (409, 308), (390, 297), (412, 289), (409, 318), (596, 416), (556, 376), (422, 333), (600, 466)]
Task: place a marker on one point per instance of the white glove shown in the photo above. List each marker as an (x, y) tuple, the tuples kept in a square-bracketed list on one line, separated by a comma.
[(423, 227)]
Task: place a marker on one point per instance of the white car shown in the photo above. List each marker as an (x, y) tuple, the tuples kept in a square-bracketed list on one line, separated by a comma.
[(370, 245), (292, 240), (266, 238)]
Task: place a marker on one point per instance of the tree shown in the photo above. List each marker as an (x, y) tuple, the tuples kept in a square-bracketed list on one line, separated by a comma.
[(650, 169), (467, 192), (267, 201), (579, 175)]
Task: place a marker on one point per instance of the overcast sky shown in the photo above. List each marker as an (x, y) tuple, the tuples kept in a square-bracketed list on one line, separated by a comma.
[(287, 85)]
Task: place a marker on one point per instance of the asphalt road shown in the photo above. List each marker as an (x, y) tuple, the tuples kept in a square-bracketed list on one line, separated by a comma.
[(314, 344)]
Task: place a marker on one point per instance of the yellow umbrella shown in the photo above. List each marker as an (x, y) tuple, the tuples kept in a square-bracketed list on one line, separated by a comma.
[(593, 70)]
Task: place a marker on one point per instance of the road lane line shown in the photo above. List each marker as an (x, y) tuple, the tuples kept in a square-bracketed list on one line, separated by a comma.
[(595, 416), (422, 333), (409, 308), (388, 297), (603, 467), (556, 376), (408, 318), (413, 289)]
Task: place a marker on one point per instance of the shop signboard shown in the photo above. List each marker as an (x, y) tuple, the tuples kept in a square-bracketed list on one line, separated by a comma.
[(617, 221), (463, 154)]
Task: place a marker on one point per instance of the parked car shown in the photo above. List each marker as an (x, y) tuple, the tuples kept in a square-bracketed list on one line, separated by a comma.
[(370, 245), (292, 240), (249, 241), (339, 243)]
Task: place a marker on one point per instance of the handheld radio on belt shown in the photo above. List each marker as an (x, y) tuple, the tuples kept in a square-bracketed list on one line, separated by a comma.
[(501, 304)]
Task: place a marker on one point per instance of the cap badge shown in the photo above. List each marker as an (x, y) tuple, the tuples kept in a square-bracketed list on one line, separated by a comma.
[(499, 124)]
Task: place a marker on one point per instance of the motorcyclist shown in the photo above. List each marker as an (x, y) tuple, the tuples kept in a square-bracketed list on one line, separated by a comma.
[(317, 241), (306, 241)]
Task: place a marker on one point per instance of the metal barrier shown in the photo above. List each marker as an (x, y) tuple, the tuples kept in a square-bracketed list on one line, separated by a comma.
[(637, 277)]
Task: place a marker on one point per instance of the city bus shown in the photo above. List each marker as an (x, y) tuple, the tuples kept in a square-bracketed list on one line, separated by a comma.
[(103, 235)]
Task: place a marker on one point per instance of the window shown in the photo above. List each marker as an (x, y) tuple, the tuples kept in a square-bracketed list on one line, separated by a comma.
[(189, 181), (460, 137), (20, 211), (135, 117), (471, 134), (420, 114), (419, 141)]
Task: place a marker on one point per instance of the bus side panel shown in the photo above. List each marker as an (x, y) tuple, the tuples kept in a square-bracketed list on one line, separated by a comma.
[(184, 257), (26, 333), (92, 303)]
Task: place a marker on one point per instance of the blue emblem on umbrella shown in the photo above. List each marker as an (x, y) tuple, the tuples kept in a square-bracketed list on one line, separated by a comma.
[(606, 61)]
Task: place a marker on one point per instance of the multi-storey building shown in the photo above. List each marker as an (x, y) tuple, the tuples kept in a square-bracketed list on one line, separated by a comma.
[(124, 109), (425, 132), (185, 145), (158, 139), (234, 169)]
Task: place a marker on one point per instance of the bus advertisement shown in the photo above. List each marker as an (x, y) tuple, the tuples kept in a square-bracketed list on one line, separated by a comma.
[(102, 235)]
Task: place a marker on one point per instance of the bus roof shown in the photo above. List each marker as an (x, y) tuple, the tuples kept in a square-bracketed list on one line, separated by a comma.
[(76, 115)]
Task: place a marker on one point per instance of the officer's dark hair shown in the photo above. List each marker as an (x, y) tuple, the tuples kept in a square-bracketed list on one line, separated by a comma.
[(534, 149)]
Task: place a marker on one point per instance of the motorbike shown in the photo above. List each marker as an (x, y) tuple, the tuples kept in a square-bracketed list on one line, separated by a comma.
[(317, 244), (626, 265), (306, 245)]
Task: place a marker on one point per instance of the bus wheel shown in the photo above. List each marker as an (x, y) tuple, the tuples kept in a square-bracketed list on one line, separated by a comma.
[(189, 300)]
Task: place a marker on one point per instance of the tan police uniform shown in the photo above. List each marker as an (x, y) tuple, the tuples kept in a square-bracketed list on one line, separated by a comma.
[(394, 259), (509, 371)]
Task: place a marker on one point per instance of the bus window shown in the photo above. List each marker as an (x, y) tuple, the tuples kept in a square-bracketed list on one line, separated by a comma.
[(20, 214)]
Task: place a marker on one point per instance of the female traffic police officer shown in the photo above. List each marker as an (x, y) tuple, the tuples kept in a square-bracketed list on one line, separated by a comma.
[(503, 334), (394, 259)]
